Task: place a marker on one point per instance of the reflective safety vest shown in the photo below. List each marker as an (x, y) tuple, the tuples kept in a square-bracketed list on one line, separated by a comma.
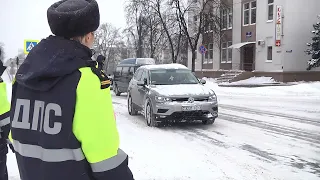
[(4, 111), (69, 132)]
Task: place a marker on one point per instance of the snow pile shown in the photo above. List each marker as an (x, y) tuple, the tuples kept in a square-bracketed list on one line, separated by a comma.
[(301, 89), (255, 81)]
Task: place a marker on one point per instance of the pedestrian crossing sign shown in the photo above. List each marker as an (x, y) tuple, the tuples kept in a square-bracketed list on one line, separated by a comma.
[(29, 44)]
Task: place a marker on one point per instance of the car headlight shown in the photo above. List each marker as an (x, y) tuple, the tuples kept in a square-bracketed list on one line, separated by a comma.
[(161, 99), (212, 98)]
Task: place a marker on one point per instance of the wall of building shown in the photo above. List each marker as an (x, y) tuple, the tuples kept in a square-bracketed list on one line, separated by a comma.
[(298, 21), (265, 31), (297, 27), (236, 34)]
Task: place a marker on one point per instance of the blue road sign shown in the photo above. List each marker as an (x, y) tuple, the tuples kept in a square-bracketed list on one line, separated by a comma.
[(202, 49), (29, 44), (248, 34)]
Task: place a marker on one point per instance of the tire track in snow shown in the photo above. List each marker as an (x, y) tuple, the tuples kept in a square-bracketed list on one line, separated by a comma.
[(272, 128), (304, 120)]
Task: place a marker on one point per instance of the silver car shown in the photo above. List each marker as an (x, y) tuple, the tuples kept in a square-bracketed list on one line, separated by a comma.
[(170, 92)]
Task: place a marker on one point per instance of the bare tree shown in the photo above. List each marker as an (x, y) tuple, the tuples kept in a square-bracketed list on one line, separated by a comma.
[(108, 42), (137, 29), (170, 24), (204, 12)]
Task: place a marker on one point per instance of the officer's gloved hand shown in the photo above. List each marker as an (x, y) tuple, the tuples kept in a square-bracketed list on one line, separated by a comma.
[(11, 147)]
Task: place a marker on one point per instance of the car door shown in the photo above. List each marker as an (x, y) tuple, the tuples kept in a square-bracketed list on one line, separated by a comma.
[(142, 90), (123, 86), (128, 77), (133, 88), (117, 76)]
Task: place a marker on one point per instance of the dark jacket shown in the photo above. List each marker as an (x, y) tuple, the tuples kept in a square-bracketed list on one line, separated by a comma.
[(58, 131)]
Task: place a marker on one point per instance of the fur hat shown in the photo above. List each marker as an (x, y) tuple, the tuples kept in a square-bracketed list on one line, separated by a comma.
[(73, 18)]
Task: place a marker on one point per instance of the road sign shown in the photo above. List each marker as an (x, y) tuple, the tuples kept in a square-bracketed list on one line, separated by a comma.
[(202, 49), (248, 34), (29, 44)]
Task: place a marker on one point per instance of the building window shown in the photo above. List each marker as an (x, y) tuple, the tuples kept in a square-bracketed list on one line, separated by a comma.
[(210, 53), (224, 19), (249, 13), (253, 12), (224, 52), (246, 13), (270, 9), (206, 57), (230, 17), (269, 55), (229, 52)]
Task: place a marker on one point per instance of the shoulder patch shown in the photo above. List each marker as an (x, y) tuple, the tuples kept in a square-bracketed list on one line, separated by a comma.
[(104, 80)]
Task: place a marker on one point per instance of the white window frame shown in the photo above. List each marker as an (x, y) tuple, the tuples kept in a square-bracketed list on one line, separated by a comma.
[(206, 57), (226, 49), (210, 47), (269, 60), (230, 14), (229, 43), (251, 8), (270, 4), (224, 16), (250, 13), (243, 12)]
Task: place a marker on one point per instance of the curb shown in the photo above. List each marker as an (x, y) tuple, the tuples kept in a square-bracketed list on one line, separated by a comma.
[(255, 85)]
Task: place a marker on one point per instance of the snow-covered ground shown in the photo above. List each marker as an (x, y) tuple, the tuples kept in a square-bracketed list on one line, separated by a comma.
[(261, 133)]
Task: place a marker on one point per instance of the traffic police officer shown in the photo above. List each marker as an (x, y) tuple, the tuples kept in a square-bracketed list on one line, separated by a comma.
[(4, 123), (63, 124)]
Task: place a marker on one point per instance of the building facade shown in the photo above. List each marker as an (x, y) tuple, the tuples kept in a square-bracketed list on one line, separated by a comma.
[(264, 38)]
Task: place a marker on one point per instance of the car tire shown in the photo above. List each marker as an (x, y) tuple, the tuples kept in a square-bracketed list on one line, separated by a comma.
[(208, 121), (116, 90), (150, 116), (131, 110)]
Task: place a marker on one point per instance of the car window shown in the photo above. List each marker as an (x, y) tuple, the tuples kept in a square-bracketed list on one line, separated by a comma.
[(144, 75), (118, 71), (137, 75), (125, 71), (131, 70), (172, 76)]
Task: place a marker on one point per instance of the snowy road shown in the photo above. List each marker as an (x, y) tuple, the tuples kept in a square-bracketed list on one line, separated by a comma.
[(246, 142), (261, 133)]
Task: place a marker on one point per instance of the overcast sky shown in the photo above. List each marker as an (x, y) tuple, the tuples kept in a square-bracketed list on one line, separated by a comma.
[(27, 19)]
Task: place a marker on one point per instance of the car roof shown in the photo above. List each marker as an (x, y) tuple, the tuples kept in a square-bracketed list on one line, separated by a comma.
[(164, 66), (137, 61)]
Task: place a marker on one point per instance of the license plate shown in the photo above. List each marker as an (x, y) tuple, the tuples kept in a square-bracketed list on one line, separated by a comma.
[(191, 108)]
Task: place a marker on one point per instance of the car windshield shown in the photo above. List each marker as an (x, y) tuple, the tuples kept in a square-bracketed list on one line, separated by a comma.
[(172, 76)]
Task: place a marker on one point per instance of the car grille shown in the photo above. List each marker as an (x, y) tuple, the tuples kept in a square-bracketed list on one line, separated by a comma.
[(189, 114), (186, 99)]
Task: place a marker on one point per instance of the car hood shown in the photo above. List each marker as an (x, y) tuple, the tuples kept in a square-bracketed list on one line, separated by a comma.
[(182, 90)]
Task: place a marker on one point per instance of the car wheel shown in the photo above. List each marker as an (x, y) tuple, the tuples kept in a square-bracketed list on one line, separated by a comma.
[(208, 121), (116, 90), (150, 116), (131, 109)]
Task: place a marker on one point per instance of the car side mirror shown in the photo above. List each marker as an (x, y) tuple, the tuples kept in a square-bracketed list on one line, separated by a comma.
[(202, 81), (145, 81)]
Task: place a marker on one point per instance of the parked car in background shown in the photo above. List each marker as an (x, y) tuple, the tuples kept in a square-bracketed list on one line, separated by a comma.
[(124, 73), (170, 92)]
